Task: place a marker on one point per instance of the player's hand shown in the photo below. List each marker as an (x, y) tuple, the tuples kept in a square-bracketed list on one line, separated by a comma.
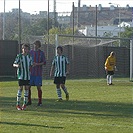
[(16, 65), (106, 68), (116, 68), (34, 64)]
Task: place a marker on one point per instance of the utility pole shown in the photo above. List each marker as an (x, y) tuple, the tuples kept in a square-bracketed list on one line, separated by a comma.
[(55, 19), (4, 22), (19, 23), (96, 22), (78, 16), (73, 19), (48, 28), (96, 25), (48, 22), (118, 6)]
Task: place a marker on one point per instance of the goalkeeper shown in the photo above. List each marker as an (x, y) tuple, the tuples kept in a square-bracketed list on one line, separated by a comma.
[(110, 67)]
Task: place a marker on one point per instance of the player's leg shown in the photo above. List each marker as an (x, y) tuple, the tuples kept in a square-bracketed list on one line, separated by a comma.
[(26, 91), (26, 83), (39, 95), (38, 84), (26, 94), (65, 91), (108, 79), (111, 77), (32, 83), (58, 90), (19, 94), (29, 96), (63, 79)]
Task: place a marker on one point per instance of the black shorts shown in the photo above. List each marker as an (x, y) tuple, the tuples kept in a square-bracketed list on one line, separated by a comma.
[(110, 72), (23, 82), (59, 80)]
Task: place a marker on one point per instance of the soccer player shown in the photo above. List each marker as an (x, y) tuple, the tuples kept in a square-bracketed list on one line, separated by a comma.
[(39, 60), (110, 66), (23, 62), (61, 66)]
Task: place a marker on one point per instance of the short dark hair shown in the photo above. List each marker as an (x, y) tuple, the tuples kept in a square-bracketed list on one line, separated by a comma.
[(60, 47), (25, 45), (37, 42), (112, 53)]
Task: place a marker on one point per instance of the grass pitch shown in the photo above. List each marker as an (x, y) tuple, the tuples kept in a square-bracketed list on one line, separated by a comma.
[(93, 107)]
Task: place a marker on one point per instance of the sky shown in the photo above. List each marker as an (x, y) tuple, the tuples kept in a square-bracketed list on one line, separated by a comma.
[(34, 6)]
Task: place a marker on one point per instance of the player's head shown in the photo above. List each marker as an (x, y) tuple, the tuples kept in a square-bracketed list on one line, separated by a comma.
[(25, 48), (59, 50), (112, 53), (37, 44)]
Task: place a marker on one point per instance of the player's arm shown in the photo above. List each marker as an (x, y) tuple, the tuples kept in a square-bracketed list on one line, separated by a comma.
[(67, 66), (68, 69), (51, 70), (115, 68), (52, 67), (38, 64), (17, 61), (106, 63)]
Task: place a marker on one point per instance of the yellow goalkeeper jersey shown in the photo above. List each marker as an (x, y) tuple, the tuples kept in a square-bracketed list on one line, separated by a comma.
[(110, 63)]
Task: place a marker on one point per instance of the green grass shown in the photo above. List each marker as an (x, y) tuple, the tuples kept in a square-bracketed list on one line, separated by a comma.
[(93, 107)]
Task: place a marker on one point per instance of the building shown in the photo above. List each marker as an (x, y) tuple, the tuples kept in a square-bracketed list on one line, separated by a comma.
[(87, 15), (102, 31)]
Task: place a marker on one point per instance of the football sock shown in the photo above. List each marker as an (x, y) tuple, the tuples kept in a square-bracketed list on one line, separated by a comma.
[(29, 96), (65, 90), (25, 96), (40, 96), (19, 96), (111, 77), (59, 93), (108, 76)]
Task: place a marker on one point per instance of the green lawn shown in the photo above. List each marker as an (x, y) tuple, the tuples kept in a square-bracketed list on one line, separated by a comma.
[(93, 107)]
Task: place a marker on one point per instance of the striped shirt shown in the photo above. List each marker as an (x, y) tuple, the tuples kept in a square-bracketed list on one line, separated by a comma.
[(25, 62), (38, 57), (60, 64)]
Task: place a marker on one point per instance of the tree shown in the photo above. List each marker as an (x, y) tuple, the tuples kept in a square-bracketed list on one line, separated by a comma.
[(128, 33), (65, 31), (37, 28)]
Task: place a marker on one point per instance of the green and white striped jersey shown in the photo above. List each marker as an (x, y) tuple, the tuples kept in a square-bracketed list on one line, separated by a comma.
[(25, 62), (60, 64)]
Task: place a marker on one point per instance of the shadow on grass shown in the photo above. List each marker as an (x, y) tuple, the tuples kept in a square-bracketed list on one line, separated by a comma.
[(26, 124), (7, 79), (96, 108)]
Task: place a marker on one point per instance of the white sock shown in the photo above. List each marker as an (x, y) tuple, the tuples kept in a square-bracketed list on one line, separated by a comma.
[(19, 96), (111, 77), (108, 77), (59, 93), (25, 96)]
